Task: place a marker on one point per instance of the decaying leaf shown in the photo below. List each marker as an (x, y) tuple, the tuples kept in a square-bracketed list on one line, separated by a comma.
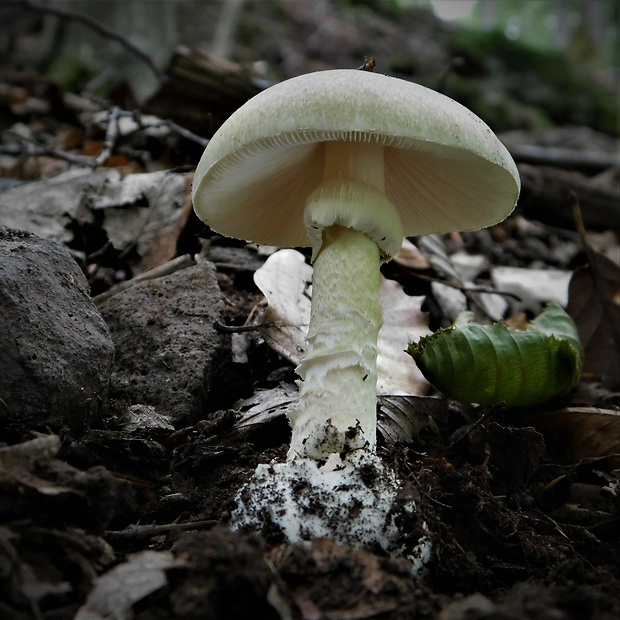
[(492, 364), (585, 432), (285, 280), (116, 591), (18, 465), (594, 303), (401, 419), (33, 555), (534, 287), (402, 321), (147, 211)]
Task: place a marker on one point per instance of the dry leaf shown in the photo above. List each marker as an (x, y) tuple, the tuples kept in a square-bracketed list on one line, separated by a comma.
[(594, 304), (265, 406), (533, 286), (403, 320), (400, 419), (453, 295), (434, 248), (147, 210), (285, 280), (46, 207), (587, 432), (116, 591), (18, 465)]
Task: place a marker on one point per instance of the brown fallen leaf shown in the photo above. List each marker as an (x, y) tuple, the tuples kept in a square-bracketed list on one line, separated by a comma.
[(585, 432), (594, 305), (401, 419)]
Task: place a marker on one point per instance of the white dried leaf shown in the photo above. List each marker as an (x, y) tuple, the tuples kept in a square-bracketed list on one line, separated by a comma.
[(469, 266), (115, 592), (46, 207), (533, 286), (403, 322), (285, 281), (142, 417)]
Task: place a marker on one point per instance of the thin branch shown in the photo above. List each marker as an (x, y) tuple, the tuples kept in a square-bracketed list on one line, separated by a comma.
[(111, 137), (140, 532), (32, 148), (184, 133), (172, 266), (464, 288), (89, 22)]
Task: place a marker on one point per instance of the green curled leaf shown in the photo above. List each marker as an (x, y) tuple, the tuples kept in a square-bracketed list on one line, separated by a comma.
[(489, 364)]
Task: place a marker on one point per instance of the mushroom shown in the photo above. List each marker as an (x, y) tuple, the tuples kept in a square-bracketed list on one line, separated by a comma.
[(349, 162)]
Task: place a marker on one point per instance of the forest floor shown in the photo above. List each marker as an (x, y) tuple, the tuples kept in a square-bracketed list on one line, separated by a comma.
[(132, 521)]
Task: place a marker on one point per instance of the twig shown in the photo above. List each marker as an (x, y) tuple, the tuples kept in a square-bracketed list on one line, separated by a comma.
[(235, 329), (469, 289), (239, 329), (140, 532), (116, 113), (89, 22), (185, 133), (181, 262), (111, 135)]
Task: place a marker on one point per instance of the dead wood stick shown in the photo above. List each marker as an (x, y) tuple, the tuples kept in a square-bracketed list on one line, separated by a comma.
[(563, 158), (547, 196), (140, 532), (176, 264)]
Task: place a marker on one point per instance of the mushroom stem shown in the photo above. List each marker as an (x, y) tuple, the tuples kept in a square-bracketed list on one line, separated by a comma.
[(353, 226), (336, 411)]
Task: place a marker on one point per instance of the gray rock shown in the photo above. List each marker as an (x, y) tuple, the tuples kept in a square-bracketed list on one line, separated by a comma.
[(167, 346), (55, 349)]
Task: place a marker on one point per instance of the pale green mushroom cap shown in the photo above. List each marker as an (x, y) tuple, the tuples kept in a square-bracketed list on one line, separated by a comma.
[(444, 168)]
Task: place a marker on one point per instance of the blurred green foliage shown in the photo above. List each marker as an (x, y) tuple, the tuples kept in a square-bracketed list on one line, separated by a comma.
[(525, 86)]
